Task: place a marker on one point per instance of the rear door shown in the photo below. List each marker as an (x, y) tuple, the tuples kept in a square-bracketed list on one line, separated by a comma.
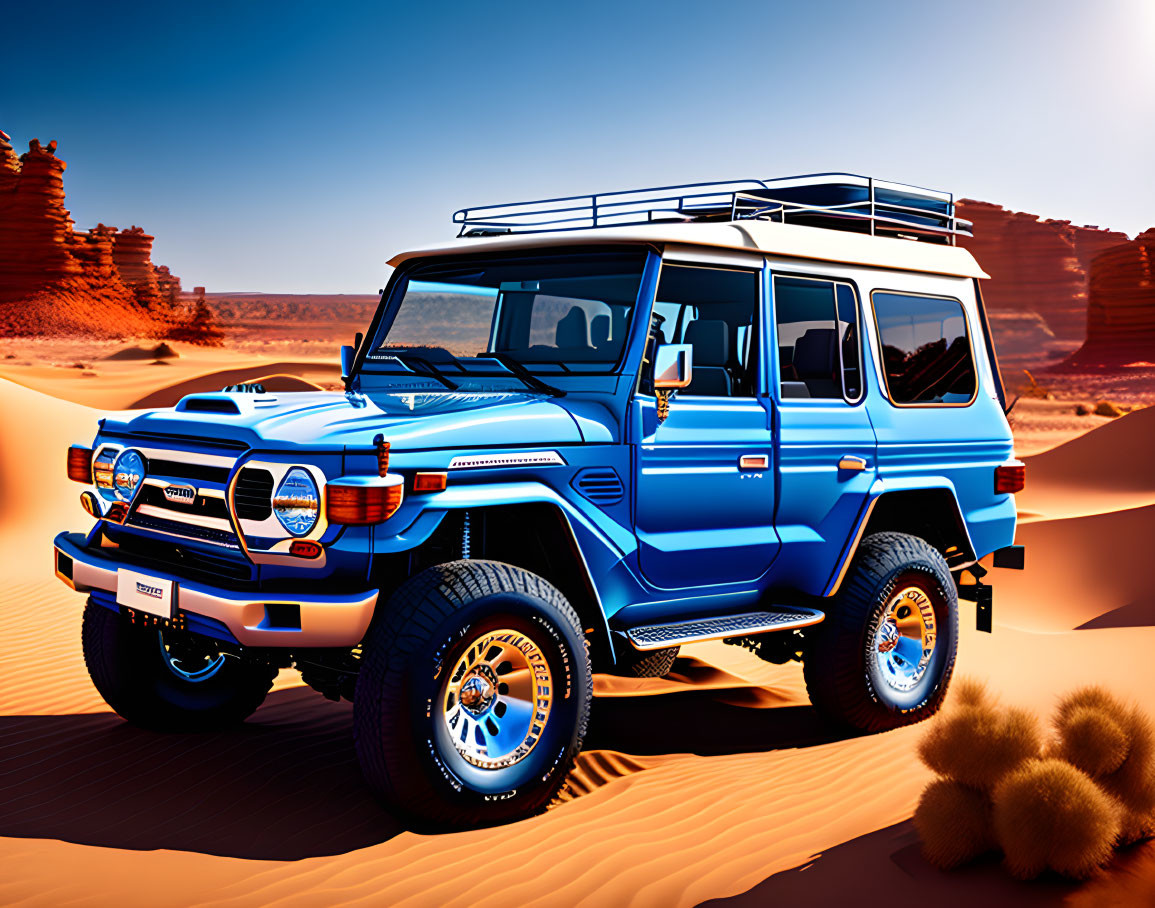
[(704, 480), (826, 443)]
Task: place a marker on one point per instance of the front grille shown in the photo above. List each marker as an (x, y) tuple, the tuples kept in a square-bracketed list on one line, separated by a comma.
[(178, 528), (173, 557), (253, 495), (201, 505), (601, 485), (175, 469)]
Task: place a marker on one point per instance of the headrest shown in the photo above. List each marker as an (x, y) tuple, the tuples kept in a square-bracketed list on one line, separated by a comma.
[(574, 329), (814, 353), (711, 341)]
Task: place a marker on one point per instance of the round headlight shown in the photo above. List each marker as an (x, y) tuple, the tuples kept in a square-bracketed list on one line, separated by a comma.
[(127, 473), (297, 502)]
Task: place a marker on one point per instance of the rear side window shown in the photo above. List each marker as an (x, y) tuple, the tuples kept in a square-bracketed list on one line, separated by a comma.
[(926, 353), (818, 339)]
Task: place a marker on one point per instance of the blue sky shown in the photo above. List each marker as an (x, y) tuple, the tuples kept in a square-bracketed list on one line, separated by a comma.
[(293, 147)]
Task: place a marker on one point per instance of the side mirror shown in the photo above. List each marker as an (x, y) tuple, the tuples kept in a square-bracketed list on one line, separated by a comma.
[(347, 356), (673, 367)]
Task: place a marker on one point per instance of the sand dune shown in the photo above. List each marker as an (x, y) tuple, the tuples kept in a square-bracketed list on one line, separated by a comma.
[(717, 781)]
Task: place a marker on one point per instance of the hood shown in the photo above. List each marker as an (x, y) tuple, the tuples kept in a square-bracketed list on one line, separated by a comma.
[(328, 419)]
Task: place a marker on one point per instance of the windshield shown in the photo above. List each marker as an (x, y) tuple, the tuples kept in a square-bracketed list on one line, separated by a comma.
[(462, 324)]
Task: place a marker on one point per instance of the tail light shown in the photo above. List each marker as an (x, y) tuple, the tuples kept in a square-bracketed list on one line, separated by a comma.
[(360, 501), (80, 464), (1010, 478)]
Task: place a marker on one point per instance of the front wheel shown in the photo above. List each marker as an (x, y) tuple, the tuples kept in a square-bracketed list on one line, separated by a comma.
[(169, 680), (473, 695), (883, 657)]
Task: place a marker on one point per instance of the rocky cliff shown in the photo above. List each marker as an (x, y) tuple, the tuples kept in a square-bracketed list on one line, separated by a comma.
[(1121, 308), (1036, 265), (55, 280)]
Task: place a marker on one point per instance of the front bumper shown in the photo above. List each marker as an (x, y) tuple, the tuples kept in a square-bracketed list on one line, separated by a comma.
[(325, 619)]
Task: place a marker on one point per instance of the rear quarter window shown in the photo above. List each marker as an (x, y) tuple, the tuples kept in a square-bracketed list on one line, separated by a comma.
[(926, 349)]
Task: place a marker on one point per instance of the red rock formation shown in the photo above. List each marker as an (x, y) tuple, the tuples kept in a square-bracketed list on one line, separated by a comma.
[(35, 228), (168, 284), (132, 253), (1035, 265), (1121, 312), (54, 280)]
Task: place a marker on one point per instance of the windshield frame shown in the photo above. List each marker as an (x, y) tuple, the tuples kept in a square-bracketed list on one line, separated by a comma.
[(393, 296)]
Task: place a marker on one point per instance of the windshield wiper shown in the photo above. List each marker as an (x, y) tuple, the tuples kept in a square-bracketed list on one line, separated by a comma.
[(528, 378), (408, 359)]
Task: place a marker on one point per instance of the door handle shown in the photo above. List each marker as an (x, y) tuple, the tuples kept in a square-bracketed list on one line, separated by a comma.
[(852, 463), (754, 462)]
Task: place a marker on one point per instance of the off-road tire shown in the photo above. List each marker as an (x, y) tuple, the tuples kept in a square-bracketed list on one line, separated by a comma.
[(839, 676), (125, 663), (399, 720), (656, 663)]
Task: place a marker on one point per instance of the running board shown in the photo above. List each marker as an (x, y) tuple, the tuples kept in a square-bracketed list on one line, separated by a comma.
[(660, 636)]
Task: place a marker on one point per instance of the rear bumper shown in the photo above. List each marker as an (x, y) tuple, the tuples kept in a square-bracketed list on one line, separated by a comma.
[(326, 620)]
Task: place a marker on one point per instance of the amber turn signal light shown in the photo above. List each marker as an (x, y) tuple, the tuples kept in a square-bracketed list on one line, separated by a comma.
[(1010, 478), (304, 548), (89, 503), (429, 482), (80, 464), (362, 503)]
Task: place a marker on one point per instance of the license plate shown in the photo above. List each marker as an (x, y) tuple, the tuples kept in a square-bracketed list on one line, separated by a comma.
[(144, 593)]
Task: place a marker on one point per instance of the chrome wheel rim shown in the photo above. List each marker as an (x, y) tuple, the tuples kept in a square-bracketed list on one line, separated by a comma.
[(497, 699), (904, 639), (188, 659)]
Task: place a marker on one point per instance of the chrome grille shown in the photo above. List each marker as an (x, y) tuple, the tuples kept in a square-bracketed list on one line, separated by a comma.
[(253, 494)]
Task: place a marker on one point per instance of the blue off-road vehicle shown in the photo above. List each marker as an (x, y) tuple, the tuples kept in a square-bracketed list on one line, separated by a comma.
[(584, 433)]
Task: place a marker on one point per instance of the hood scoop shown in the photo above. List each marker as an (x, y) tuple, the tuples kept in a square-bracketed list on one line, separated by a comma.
[(208, 405)]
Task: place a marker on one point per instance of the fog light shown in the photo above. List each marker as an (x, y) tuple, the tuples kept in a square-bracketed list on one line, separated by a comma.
[(89, 503)]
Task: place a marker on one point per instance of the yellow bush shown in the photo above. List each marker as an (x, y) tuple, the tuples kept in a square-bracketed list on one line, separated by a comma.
[(954, 823), (1050, 815), (977, 743)]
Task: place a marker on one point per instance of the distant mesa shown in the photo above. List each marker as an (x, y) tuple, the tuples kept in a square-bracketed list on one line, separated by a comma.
[(56, 280)]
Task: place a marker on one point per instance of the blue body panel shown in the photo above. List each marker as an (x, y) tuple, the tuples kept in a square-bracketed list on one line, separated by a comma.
[(693, 531)]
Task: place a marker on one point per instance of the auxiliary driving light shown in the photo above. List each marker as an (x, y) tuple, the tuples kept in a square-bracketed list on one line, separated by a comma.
[(90, 504)]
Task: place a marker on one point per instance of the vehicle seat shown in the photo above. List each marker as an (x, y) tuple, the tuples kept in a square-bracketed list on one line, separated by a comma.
[(710, 339), (816, 362), (573, 332), (600, 332)]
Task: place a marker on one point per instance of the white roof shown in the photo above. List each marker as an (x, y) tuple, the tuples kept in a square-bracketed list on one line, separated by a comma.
[(770, 238)]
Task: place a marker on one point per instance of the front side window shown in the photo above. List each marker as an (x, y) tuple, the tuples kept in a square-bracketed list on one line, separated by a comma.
[(713, 310), (819, 346), (471, 321), (926, 353)]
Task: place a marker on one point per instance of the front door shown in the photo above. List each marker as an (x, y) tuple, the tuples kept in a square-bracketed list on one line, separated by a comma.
[(704, 480)]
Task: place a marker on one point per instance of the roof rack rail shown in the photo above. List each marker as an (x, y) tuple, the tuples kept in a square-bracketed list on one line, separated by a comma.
[(837, 201)]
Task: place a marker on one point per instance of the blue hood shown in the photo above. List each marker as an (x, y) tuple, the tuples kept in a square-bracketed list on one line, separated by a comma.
[(328, 420)]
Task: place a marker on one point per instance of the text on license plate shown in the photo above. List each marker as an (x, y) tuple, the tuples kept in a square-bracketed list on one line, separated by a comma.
[(144, 593)]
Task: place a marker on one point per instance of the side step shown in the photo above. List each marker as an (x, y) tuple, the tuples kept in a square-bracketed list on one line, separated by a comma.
[(660, 636)]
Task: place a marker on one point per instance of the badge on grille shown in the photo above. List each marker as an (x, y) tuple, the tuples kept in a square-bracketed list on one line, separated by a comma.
[(180, 494)]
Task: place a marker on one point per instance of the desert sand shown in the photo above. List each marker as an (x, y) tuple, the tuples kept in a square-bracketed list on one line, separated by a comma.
[(716, 782)]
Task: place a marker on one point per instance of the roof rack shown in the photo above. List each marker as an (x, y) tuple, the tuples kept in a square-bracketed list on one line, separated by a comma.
[(837, 201)]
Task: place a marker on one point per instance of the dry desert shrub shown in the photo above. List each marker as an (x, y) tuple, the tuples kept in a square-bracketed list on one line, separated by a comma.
[(1050, 815), (1115, 745), (977, 742), (954, 822)]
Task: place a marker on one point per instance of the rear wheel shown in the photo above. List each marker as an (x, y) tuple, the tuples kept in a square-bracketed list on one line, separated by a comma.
[(883, 657), (169, 680), (473, 695)]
